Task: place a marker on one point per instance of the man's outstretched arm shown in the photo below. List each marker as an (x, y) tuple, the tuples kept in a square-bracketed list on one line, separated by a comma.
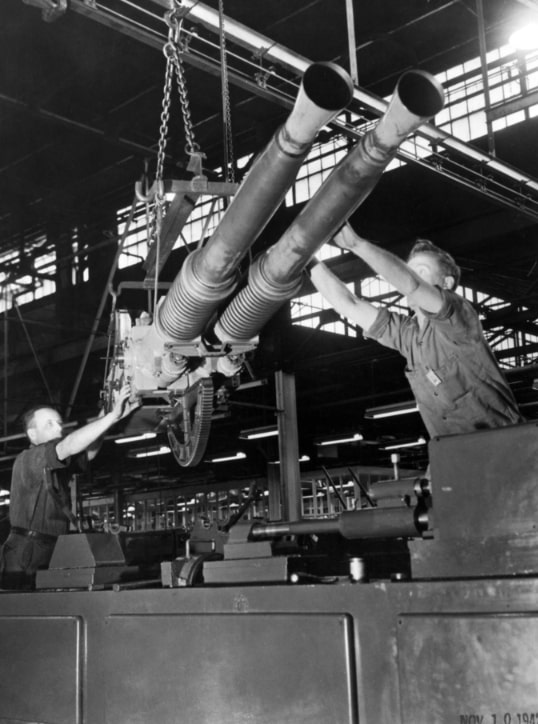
[(84, 437), (346, 303), (395, 271)]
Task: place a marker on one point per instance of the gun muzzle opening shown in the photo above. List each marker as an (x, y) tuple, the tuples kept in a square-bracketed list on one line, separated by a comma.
[(420, 93), (328, 86)]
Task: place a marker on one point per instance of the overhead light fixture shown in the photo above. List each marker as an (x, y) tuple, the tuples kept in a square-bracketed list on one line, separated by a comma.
[(150, 452), (400, 408), (524, 38), (412, 443), (495, 165), (4, 493), (302, 459), (4, 458), (340, 440), (227, 458), (251, 384), (135, 438), (255, 433)]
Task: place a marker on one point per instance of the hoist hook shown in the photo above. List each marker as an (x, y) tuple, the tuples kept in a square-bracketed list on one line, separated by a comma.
[(141, 196), (173, 19)]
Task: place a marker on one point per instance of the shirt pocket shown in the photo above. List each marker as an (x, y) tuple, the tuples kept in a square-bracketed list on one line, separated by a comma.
[(446, 386)]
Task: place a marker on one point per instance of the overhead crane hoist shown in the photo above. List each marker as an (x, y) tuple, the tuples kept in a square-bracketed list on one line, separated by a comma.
[(205, 324)]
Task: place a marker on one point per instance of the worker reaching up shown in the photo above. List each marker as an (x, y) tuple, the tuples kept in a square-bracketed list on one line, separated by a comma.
[(453, 373), (40, 509)]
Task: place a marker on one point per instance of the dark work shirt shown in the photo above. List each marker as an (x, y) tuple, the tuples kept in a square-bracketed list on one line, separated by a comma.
[(452, 371), (32, 505)]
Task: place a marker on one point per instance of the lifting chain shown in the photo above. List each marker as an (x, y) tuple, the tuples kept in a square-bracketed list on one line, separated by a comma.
[(159, 199), (192, 147), (171, 51), (229, 161)]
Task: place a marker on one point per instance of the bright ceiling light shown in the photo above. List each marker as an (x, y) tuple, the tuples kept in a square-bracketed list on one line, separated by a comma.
[(255, 433), (302, 459), (163, 450), (340, 440), (135, 438), (413, 443), (227, 458), (525, 38), (400, 408)]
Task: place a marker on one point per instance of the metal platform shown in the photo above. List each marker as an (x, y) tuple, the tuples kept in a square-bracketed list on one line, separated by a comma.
[(449, 652)]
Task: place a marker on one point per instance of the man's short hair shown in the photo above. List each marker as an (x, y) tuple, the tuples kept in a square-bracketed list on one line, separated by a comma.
[(446, 262), (28, 417)]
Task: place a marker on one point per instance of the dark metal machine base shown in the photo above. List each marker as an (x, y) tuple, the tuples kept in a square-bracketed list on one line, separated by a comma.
[(454, 652)]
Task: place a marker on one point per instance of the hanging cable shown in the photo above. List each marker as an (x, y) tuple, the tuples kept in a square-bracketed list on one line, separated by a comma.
[(229, 161)]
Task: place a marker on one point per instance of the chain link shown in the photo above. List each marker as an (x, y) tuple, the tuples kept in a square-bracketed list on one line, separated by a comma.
[(173, 63), (226, 107), (154, 231), (192, 146)]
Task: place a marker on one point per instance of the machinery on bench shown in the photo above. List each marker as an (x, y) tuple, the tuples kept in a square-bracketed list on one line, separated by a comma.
[(476, 517), (451, 640)]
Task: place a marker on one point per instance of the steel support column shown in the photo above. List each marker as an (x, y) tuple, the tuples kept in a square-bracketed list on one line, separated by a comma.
[(288, 445)]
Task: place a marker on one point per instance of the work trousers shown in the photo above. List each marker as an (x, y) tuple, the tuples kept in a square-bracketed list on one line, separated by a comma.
[(20, 558)]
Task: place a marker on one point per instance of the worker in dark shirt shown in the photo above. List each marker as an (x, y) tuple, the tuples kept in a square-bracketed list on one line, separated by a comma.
[(40, 508), (452, 371)]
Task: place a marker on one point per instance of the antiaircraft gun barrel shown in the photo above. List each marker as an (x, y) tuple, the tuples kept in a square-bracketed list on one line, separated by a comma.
[(209, 274), (401, 522), (156, 356), (276, 275)]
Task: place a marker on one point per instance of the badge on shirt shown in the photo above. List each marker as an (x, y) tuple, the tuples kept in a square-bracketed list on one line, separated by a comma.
[(433, 378)]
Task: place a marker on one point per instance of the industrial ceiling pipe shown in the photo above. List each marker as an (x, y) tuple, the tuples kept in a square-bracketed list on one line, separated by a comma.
[(275, 276)]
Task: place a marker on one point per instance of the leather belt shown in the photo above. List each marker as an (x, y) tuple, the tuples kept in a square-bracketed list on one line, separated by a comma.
[(34, 534)]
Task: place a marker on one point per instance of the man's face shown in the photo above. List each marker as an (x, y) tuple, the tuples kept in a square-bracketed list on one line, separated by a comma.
[(427, 267), (47, 425)]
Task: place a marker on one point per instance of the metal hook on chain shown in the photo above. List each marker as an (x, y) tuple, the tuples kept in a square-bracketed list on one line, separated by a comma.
[(141, 196), (169, 50), (174, 18)]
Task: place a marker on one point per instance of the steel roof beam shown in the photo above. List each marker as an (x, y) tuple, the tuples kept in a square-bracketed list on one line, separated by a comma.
[(485, 175)]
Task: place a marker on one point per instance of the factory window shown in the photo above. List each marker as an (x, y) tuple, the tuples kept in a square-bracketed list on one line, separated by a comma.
[(79, 270), (27, 280), (377, 290), (135, 246), (203, 220), (169, 509), (463, 115), (313, 311)]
